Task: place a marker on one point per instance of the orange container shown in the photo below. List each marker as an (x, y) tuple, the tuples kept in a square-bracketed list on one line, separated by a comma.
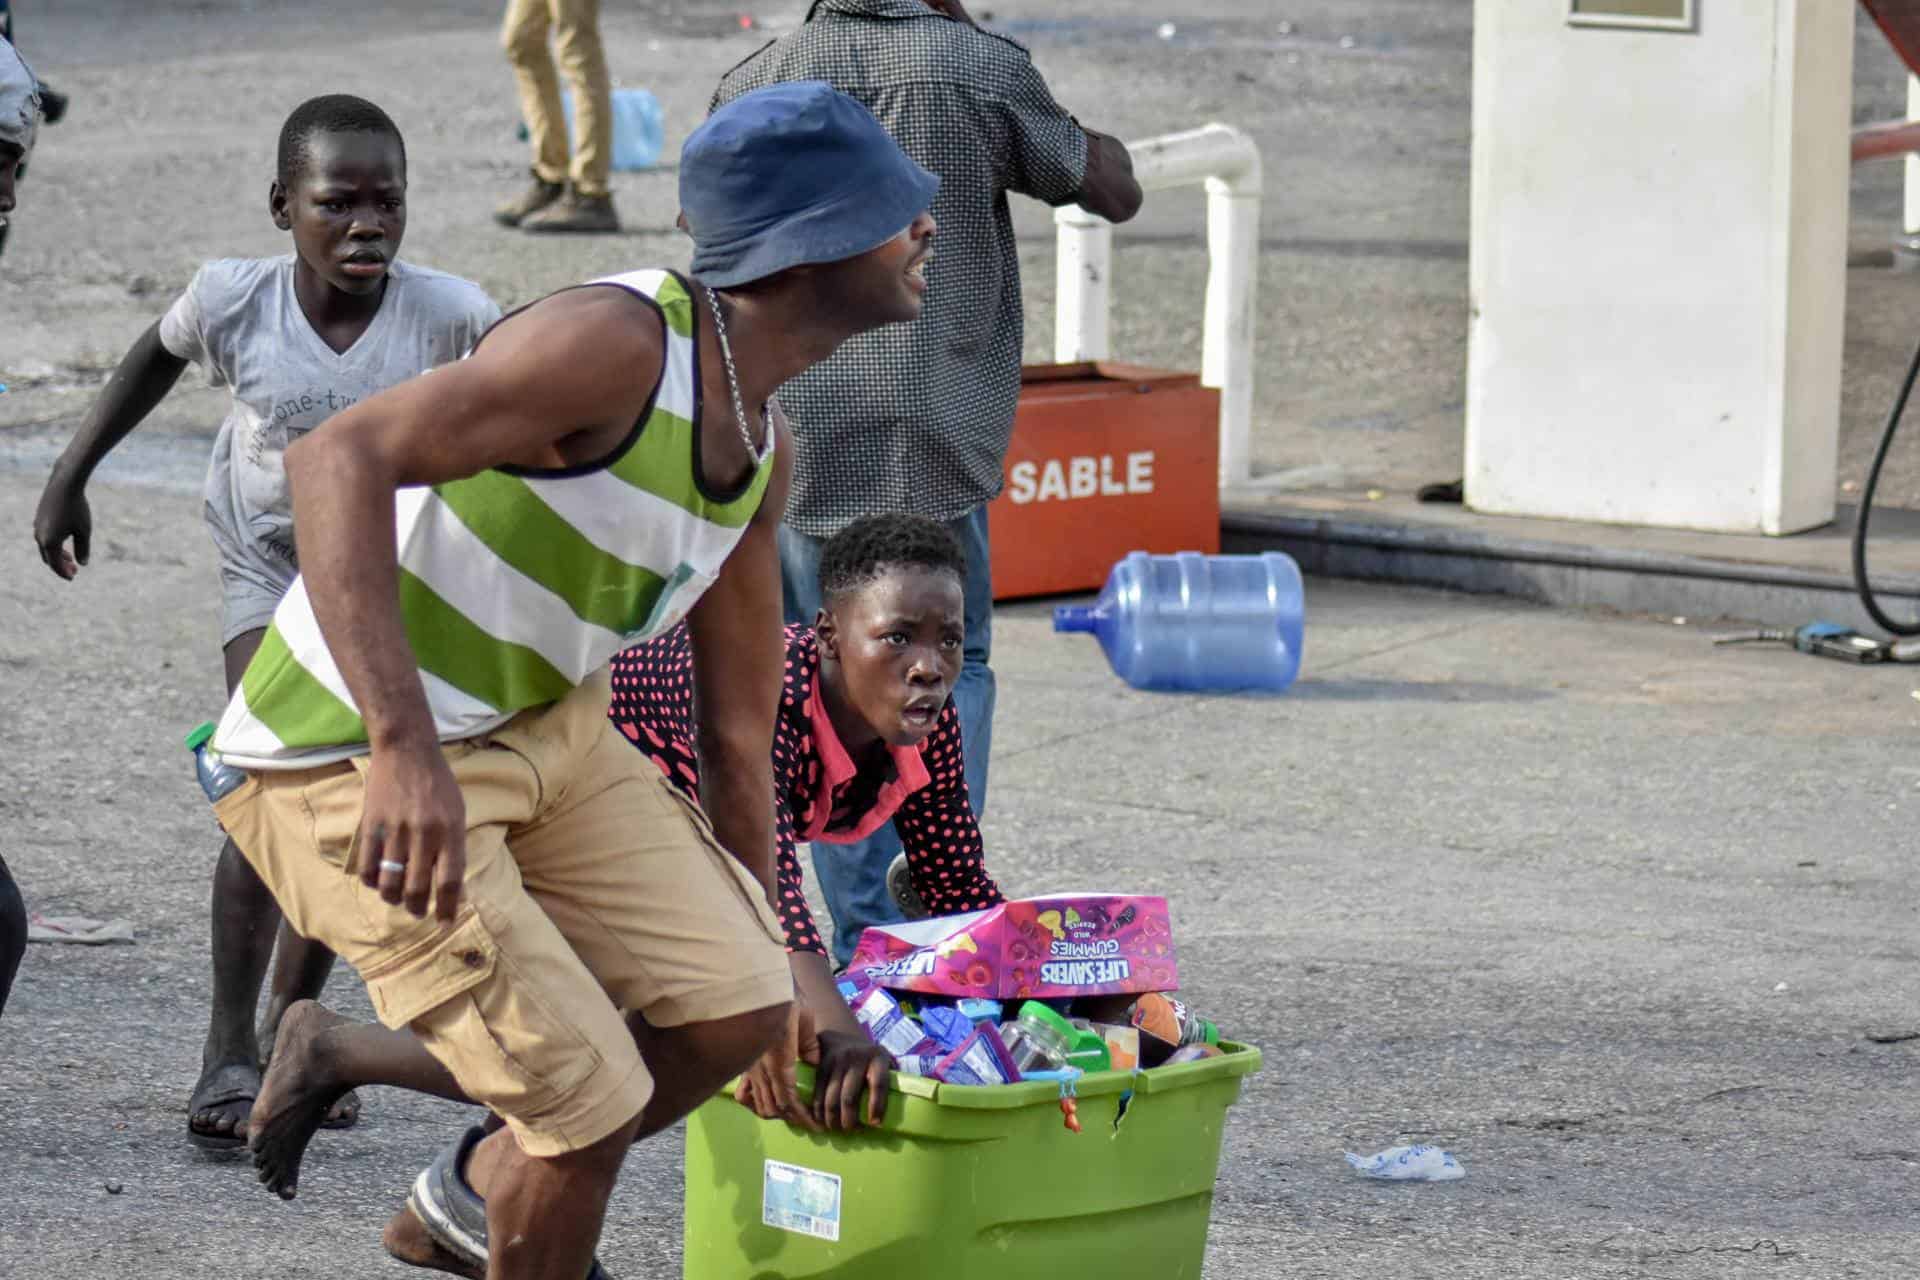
[(1105, 459)]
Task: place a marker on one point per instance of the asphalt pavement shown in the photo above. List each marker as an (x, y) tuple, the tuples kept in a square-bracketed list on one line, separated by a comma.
[(1615, 916)]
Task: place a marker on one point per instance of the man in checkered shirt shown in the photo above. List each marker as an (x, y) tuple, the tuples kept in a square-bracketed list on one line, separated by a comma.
[(916, 418)]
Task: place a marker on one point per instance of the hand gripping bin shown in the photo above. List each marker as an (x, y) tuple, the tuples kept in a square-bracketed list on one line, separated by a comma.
[(968, 1182), (1105, 459)]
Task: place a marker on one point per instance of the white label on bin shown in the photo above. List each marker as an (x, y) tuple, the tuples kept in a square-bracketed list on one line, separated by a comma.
[(1062, 480), (804, 1201)]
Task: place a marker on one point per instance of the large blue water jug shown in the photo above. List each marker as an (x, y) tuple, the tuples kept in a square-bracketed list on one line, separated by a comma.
[(639, 128), (1190, 621)]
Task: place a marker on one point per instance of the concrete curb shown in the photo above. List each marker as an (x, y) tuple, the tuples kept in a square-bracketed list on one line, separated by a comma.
[(1562, 573)]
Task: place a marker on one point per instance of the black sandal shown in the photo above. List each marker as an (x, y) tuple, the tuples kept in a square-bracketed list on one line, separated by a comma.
[(217, 1089)]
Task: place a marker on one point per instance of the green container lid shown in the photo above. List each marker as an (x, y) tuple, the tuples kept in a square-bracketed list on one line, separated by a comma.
[(201, 736)]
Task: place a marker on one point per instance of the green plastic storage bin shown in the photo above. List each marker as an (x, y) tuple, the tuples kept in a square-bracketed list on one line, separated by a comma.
[(958, 1181)]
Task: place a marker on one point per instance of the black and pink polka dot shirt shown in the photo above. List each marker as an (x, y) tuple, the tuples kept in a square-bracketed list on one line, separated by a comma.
[(819, 792)]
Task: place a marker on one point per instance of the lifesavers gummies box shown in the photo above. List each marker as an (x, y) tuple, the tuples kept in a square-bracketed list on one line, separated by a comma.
[(1056, 947)]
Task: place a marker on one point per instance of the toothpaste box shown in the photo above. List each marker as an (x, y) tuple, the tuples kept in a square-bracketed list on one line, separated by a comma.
[(981, 1059), (979, 1010), (948, 1027), (887, 1025), (1056, 947)]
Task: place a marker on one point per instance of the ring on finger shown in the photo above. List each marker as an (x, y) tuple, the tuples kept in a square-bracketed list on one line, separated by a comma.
[(389, 865)]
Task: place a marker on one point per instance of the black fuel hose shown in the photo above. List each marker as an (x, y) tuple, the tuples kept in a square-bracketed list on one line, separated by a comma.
[(1860, 583)]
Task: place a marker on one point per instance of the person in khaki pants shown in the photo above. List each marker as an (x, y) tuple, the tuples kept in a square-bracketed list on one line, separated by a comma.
[(563, 196)]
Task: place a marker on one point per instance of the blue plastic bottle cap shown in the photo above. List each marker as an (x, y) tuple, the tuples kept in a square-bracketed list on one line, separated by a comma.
[(1073, 617)]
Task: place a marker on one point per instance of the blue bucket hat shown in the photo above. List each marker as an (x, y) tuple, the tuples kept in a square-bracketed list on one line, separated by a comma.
[(792, 174)]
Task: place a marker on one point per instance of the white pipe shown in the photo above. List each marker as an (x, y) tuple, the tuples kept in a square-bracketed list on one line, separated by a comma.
[(1226, 161)]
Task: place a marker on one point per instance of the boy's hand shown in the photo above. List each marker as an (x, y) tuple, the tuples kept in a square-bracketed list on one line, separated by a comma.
[(413, 816), (768, 1087), (63, 513), (849, 1063), (846, 1064)]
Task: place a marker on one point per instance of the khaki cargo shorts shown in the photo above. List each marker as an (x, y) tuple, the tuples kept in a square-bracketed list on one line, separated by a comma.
[(592, 887)]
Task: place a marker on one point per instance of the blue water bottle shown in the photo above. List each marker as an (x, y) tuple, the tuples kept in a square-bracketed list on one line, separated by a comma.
[(217, 778), (1190, 621), (639, 128)]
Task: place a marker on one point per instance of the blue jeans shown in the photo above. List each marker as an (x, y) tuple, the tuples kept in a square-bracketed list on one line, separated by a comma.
[(854, 876)]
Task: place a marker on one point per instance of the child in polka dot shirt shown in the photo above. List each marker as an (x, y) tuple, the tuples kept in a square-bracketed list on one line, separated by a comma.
[(865, 731)]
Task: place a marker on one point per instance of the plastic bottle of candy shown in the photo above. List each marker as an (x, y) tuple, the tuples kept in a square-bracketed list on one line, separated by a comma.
[(1041, 1040), (1192, 622)]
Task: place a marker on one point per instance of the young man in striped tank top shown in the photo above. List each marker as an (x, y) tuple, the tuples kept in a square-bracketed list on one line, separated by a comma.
[(434, 789)]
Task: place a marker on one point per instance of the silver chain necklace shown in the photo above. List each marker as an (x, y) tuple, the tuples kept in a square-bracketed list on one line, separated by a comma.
[(758, 453)]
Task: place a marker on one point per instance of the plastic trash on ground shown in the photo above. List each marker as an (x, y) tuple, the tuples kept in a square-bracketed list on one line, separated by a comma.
[(1419, 1163), (79, 930)]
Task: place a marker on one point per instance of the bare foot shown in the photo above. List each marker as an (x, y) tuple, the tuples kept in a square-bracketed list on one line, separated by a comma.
[(407, 1239), (345, 1113), (295, 1096)]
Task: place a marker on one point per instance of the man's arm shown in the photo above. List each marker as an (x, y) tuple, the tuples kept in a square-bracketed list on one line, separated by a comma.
[(509, 407), (739, 656), (1109, 188), (1053, 157)]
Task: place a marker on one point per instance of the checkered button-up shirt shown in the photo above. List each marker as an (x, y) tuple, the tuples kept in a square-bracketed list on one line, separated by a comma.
[(916, 417)]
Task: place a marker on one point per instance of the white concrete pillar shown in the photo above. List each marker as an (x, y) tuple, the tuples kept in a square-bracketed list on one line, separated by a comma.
[(1226, 353), (1911, 221), (1658, 277)]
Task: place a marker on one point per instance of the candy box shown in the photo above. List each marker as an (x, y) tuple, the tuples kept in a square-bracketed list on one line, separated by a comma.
[(1055, 947)]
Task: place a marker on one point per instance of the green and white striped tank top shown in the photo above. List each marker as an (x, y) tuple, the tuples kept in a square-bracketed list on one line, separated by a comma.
[(516, 585)]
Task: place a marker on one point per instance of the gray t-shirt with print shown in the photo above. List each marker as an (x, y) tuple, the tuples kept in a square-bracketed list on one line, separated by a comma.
[(240, 321)]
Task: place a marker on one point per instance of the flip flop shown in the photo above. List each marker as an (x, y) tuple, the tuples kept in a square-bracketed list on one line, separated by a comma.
[(216, 1090), (349, 1106)]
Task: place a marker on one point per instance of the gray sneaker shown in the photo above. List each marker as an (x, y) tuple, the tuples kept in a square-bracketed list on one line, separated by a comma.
[(900, 885), (574, 212), (453, 1214), (536, 197)]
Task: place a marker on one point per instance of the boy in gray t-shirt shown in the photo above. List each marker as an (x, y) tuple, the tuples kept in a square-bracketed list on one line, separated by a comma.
[(242, 321), (297, 339)]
